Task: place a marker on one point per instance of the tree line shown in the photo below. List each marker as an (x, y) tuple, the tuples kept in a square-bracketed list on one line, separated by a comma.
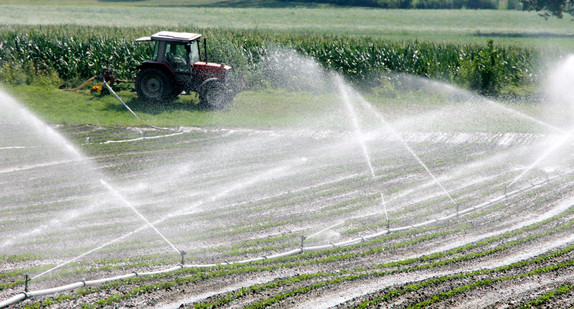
[(547, 8)]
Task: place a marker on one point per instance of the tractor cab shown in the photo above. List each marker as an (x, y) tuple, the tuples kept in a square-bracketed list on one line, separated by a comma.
[(176, 67), (179, 50)]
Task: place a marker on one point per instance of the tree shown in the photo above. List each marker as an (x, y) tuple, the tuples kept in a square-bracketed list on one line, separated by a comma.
[(550, 8)]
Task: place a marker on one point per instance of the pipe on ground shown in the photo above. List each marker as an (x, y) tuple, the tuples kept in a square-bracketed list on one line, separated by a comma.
[(24, 295)]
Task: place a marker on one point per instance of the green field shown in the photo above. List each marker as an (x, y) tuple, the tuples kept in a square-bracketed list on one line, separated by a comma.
[(347, 111), (431, 43), (454, 26)]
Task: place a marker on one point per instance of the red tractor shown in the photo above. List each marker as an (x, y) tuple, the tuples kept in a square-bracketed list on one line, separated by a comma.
[(176, 68)]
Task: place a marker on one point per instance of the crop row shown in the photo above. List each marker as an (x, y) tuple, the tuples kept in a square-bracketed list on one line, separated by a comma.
[(77, 53), (334, 257), (361, 274), (350, 276), (499, 273)]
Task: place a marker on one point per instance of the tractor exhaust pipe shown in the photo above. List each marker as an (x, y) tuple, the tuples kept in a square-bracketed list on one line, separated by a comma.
[(205, 48)]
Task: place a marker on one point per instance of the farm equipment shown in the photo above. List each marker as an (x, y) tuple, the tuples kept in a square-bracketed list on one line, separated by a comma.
[(176, 68)]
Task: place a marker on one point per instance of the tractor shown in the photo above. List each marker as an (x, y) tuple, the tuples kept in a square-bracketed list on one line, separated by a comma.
[(176, 68)]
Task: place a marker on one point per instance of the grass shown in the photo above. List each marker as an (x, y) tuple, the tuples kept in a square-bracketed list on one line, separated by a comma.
[(170, 3), (254, 109), (264, 108)]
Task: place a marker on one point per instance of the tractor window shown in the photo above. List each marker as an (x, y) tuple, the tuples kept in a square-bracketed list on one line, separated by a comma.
[(156, 51), (194, 52), (176, 55)]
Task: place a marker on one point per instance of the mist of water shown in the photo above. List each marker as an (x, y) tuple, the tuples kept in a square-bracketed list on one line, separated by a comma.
[(238, 179), (343, 90), (139, 214), (33, 152), (373, 111), (560, 101)]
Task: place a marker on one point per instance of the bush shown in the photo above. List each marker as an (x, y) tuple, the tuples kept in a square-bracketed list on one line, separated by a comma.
[(485, 71)]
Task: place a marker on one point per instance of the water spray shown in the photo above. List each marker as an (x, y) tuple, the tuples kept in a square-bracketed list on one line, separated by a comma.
[(22, 296), (127, 203), (409, 149), (564, 138), (180, 252), (524, 116), (148, 224), (353, 115), (89, 252), (324, 230)]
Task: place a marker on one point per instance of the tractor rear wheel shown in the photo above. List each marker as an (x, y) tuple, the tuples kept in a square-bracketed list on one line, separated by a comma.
[(154, 85), (214, 94)]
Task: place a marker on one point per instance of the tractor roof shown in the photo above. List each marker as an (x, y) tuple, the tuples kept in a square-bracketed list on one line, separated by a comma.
[(180, 37)]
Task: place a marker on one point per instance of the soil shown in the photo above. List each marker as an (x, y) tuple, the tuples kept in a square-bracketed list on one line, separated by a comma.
[(282, 185)]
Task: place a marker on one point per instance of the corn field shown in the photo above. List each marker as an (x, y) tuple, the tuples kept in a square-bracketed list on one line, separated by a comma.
[(75, 53)]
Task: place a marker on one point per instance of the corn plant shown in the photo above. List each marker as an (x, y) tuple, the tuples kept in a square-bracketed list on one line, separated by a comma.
[(76, 53)]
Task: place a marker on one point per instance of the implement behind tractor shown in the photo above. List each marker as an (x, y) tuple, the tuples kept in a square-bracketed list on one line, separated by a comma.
[(176, 68)]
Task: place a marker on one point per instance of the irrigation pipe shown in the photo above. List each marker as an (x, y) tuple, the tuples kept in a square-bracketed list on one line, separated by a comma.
[(122, 101), (130, 110), (82, 85), (27, 294)]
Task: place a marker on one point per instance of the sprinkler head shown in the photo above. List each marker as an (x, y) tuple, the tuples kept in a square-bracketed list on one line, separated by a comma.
[(26, 283), (182, 257)]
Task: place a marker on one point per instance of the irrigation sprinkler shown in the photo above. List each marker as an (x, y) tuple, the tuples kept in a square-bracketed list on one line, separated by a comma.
[(385, 208), (182, 257), (303, 241), (26, 283), (25, 295)]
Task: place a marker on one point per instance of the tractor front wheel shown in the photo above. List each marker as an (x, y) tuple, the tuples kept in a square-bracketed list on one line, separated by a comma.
[(154, 85)]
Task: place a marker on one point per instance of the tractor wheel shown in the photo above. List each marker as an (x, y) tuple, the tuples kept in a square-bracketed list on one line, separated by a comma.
[(154, 85), (214, 94)]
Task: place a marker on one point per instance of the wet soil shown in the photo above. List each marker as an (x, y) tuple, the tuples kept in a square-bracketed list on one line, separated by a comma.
[(282, 185)]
